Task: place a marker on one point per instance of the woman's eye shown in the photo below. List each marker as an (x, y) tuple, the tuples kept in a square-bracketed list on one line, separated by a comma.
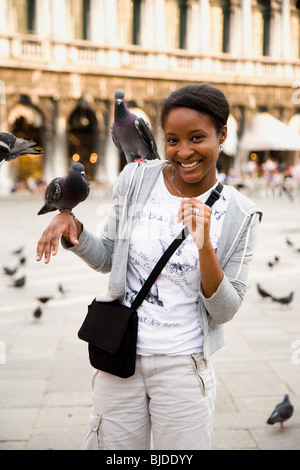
[(172, 140), (197, 137)]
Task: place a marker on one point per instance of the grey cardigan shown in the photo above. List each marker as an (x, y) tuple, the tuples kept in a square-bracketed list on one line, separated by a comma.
[(109, 251)]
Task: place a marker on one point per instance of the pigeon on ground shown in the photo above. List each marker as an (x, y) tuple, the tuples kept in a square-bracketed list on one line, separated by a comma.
[(61, 289), (131, 134), (282, 412), (20, 282), (9, 271), (12, 147), (284, 300), (263, 292), (18, 251), (66, 192), (37, 312), (44, 300)]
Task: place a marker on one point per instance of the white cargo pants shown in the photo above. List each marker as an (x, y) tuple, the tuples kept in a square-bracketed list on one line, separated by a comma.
[(172, 396)]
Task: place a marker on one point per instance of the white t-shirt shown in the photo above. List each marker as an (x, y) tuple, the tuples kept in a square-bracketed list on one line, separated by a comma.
[(168, 317)]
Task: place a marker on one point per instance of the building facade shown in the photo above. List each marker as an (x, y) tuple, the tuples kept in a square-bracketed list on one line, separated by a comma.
[(62, 60)]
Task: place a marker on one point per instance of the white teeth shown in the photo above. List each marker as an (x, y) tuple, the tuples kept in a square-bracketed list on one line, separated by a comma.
[(189, 165)]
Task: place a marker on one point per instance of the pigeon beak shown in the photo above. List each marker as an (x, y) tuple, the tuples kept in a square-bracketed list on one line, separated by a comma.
[(83, 173), (119, 101)]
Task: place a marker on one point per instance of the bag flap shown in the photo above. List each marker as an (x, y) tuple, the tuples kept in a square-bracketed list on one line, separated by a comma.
[(105, 324)]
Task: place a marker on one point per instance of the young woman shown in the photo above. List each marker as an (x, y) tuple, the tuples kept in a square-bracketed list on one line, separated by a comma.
[(172, 392)]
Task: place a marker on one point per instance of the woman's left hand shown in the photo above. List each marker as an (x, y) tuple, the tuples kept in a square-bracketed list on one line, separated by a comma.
[(196, 215)]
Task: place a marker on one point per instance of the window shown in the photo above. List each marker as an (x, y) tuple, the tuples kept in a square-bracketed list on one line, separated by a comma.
[(24, 12), (136, 22)]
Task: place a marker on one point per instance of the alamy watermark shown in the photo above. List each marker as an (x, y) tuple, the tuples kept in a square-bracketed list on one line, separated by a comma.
[(296, 353), (2, 92)]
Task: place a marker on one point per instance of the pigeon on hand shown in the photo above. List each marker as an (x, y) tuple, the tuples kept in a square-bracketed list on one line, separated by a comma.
[(282, 412), (12, 147), (66, 192), (131, 134)]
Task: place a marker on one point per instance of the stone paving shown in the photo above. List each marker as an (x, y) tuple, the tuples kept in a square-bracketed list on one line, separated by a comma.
[(45, 376)]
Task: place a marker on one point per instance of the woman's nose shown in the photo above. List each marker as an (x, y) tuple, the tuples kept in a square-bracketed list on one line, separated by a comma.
[(185, 150)]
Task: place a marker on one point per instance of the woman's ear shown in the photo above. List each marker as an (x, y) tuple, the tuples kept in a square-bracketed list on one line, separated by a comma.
[(223, 134)]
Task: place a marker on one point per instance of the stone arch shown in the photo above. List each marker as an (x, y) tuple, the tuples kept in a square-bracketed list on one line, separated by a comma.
[(27, 121)]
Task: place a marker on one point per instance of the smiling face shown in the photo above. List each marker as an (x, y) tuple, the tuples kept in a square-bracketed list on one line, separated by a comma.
[(192, 148)]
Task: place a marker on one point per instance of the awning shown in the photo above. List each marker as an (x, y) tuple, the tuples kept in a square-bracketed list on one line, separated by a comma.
[(268, 133)]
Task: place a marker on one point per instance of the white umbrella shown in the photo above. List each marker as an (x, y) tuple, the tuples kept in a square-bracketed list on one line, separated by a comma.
[(268, 133)]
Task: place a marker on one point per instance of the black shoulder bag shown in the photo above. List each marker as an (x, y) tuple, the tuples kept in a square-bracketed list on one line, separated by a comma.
[(110, 328)]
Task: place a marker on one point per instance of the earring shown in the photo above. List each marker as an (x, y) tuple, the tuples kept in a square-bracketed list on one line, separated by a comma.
[(221, 147)]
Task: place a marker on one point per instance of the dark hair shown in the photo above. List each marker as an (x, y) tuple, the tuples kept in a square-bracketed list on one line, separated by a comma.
[(201, 97)]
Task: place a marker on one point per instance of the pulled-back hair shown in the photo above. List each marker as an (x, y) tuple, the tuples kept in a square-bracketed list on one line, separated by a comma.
[(200, 97)]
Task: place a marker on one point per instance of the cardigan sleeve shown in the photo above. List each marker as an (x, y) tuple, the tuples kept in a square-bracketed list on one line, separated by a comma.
[(225, 302), (97, 251)]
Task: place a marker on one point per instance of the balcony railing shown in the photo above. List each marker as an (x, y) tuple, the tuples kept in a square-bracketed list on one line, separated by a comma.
[(39, 53)]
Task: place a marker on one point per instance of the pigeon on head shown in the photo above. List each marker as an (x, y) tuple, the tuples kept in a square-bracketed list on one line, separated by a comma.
[(66, 192), (131, 134), (12, 147)]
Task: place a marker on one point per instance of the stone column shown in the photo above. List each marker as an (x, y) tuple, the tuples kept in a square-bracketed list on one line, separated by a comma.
[(285, 29), (4, 16), (192, 27), (246, 27), (275, 31), (235, 28), (159, 25), (60, 27), (204, 22), (6, 180), (97, 21)]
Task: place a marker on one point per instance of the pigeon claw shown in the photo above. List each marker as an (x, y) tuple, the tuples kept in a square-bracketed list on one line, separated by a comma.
[(139, 160)]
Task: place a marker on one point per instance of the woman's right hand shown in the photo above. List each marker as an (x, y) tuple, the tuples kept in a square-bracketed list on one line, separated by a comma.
[(62, 224)]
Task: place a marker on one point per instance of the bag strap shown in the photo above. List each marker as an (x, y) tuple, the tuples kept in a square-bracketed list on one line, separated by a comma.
[(214, 196)]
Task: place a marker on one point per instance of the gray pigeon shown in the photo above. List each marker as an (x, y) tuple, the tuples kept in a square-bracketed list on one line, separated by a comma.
[(131, 134), (12, 147), (282, 412), (66, 192)]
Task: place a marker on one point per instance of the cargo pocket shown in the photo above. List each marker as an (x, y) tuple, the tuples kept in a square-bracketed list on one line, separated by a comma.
[(92, 439)]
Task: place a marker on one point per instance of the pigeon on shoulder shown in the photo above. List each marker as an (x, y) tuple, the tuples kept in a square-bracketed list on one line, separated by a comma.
[(12, 147), (131, 134), (66, 192)]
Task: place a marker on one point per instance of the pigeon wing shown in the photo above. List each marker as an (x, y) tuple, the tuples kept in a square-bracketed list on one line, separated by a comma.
[(147, 136), (52, 195), (114, 138)]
